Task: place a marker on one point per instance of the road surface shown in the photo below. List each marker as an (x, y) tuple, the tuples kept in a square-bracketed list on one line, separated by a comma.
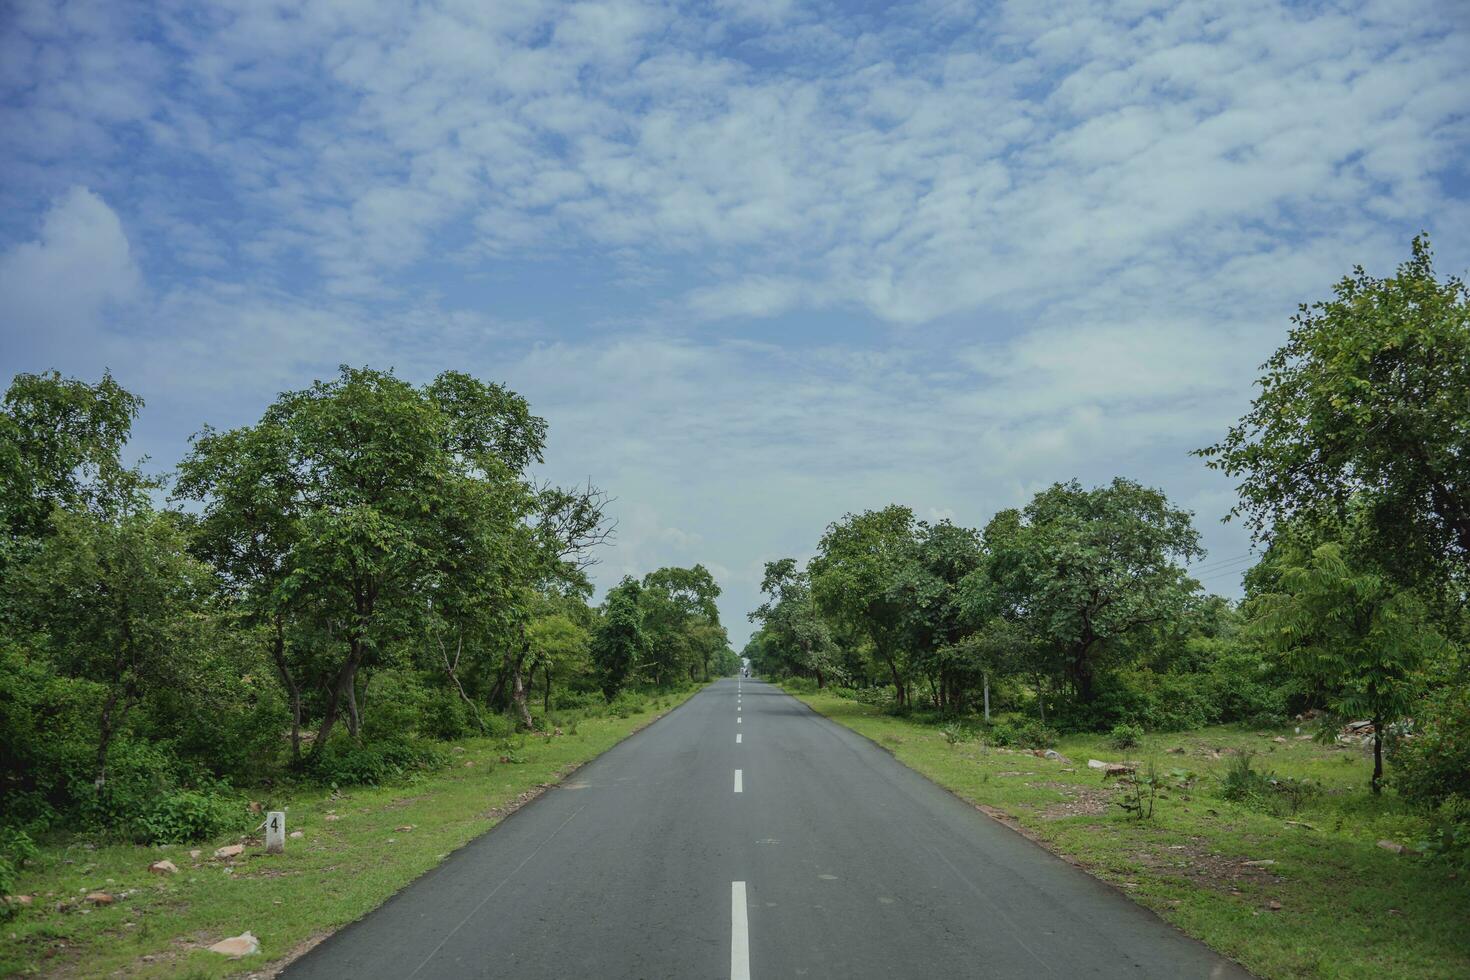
[(746, 836)]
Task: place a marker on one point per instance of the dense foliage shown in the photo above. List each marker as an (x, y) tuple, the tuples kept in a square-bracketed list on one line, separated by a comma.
[(365, 571), (1077, 610)]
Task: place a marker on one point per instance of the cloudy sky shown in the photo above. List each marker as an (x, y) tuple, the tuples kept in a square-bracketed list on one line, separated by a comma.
[(759, 263)]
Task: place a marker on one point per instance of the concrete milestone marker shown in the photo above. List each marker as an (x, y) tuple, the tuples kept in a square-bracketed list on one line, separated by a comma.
[(275, 832)]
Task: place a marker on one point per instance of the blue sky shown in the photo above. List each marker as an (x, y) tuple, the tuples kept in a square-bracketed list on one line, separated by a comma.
[(758, 263)]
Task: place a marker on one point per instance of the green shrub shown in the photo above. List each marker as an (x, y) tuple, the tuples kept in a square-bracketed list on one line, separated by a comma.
[(187, 816), (1125, 736), (393, 706), (446, 716), (626, 704), (1242, 783), (1434, 764), (16, 848), (1279, 795), (1028, 734), (346, 763)]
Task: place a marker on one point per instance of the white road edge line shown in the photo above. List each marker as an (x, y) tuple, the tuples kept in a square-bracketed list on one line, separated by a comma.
[(737, 738), (739, 782), (739, 934)]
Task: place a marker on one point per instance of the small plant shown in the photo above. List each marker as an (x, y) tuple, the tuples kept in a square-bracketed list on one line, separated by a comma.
[(1292, 794), (1126, 736), (1242, 783), (955, 732), (1140, 792), (16, 848)]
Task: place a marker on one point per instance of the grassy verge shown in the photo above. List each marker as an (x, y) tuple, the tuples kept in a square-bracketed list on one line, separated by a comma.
[(1308, 893), (358, 847)]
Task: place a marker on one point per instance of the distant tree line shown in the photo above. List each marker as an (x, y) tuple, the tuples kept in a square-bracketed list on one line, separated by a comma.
[(1078, 610), (325, 593)]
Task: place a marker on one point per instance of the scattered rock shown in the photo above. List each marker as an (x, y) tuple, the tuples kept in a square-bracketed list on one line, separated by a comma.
[(100, 898), (1274, 905), (296, 835), (1176, 750), (195, 853), (164, 867), (237, 946), (23, 901), (1259, 864), (229, 851), (1396, 847), (1056, 756), (332, 816), (1110, 768), (467, 765), (1305, 738), (255, 807), (405, 828), (1279, 740)]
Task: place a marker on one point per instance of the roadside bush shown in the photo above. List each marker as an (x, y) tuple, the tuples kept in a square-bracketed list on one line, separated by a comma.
[(1264, 790), (1125, 736), (626, 704), (446, 716), (1028, 734), (16, 848), (345, 763), (393, 706), (1434, 764), (187, 816), (575, 700), (1242, 783)]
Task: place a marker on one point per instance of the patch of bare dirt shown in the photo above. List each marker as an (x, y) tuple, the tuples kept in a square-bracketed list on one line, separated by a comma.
[(1081, 801), (1194, 863)]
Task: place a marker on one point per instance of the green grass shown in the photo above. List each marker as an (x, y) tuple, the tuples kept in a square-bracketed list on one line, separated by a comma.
[(1348, 908), (340, 870)]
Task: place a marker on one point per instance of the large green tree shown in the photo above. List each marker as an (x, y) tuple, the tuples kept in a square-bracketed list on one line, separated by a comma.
[(1084, 569), (61, 443), (859, 563), (618, 642), (794, 636), (1367, 404), (118, 602), (1350, 632)]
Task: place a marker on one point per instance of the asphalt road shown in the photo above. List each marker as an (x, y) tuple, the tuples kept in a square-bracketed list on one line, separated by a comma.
[(746, 836)]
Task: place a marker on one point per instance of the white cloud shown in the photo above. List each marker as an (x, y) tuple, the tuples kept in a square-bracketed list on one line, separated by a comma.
[(60, 283)]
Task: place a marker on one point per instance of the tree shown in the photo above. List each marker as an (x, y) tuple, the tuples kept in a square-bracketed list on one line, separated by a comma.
[(562, 648), (1084, 569), (931, 591), (119, 603), (61, 444), (858, 564), (795, 635), (618, 643), (1368, 402), (1350, 632), (681, 620)]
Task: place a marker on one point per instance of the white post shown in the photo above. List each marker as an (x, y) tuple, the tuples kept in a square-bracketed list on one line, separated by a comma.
[(275, 832), (987, 696)]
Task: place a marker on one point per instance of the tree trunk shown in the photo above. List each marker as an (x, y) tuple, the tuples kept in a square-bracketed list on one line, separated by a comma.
[(342, 685), (518, 686), (546, 702), (898, 687), (354, 718), (104, 740), (278, 654), (451, 669), (821, 681)]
